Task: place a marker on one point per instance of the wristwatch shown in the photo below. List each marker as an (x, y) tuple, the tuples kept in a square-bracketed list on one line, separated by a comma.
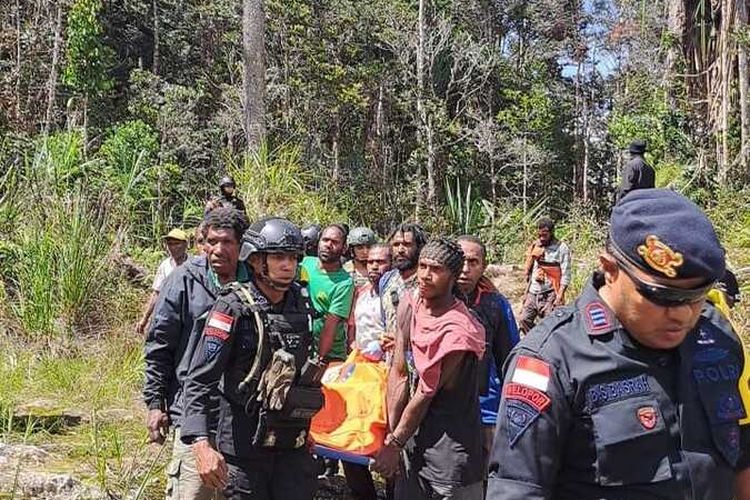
[(199, 438)]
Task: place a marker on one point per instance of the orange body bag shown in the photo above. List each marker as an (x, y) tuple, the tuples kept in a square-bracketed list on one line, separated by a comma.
[(353, 417)]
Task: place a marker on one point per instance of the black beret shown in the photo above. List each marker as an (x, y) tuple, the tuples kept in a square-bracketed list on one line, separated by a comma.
[(638, 146), (665, 234)]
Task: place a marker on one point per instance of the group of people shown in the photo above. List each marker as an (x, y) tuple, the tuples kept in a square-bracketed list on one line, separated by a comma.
[(633, 390)]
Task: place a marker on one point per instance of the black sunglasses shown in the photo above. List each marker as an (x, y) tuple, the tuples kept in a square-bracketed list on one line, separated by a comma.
[(666, 296)]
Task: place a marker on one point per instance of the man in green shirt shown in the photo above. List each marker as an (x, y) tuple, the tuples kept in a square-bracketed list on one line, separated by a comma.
[(331, 291)]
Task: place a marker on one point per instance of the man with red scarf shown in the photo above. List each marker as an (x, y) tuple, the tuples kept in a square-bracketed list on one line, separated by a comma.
[(433, 403)]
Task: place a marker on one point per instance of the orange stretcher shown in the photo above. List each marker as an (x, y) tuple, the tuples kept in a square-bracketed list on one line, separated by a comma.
[(353, 418)]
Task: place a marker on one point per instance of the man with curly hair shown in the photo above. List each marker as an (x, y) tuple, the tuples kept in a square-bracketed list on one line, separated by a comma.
[(185, 299)]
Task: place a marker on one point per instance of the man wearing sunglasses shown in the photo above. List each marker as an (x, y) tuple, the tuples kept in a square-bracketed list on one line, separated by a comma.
[(632, 391)]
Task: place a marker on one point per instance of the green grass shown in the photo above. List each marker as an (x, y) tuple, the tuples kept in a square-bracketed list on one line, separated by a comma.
[(101, 381), (276, 182)]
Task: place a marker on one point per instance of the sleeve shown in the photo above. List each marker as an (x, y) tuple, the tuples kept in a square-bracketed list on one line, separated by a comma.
[(506, 334), (162, 342), (531, 431), (241, 206), (744, 460), (207, 365), (744, 388), (161, 275), (565, 265), (341, 299), (627, 183), (634, 173)]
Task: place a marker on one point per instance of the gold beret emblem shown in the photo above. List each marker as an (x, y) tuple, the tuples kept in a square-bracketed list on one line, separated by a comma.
[(660, 257)]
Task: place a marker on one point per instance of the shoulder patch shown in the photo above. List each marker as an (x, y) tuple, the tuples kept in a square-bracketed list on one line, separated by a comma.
[(531, 372), (520, 415), (532, 397), (211, 348), (220, 321), (598, 318)]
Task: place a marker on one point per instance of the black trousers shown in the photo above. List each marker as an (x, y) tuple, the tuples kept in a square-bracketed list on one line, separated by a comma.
[(279, 475), (359, 480)]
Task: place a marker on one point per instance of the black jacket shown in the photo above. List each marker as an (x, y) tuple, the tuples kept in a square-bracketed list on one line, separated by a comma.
[(637, 174), (179, 315), (224, 354)]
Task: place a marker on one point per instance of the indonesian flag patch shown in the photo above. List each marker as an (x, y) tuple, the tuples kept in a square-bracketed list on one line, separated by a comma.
[(531, 372), (219, 325)]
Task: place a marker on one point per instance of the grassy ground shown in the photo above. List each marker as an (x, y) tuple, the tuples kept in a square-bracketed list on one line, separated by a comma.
[(80, 401)]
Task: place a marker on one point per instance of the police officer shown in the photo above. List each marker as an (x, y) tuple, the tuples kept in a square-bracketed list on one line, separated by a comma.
[(227, 197), (637, 174), (311, 237), (631, 392), (359, 240), (256, 343)]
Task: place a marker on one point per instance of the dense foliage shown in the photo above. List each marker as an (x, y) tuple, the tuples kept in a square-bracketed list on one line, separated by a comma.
[(471, 116)]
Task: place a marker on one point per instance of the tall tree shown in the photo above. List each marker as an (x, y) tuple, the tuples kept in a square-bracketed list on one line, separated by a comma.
[(254, 83), (52, 81), (744, 84)]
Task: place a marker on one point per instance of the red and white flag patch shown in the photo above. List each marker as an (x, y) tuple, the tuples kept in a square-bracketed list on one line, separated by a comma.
[(219, 325), (531, 372), (221, 321)]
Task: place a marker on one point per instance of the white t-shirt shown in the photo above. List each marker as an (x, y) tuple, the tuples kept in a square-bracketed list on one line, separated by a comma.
[(368, 317), (167, 266)]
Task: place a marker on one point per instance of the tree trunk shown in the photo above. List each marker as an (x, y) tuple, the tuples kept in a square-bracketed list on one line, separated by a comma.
[(431, 190), (155, 62), (336, 173), (676, 30), (18, 60), (52, 81), (253, 36), (427, 133), (742, 76), (725, 76), (525, 177), (420, 89)]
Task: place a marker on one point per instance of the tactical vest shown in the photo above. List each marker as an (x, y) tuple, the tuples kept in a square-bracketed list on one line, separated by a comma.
[(283, 384)]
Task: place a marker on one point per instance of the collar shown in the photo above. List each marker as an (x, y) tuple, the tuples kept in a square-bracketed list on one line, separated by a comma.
[(599, 319), (186, 257), (242, 276), (484, 286)]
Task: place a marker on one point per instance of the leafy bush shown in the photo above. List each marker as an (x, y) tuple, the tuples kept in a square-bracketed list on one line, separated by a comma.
[(59, 275)]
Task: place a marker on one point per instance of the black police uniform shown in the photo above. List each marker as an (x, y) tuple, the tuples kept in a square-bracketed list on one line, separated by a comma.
[(588, 413), (617, 420), (637, 174), (266, 452), (230, 202)]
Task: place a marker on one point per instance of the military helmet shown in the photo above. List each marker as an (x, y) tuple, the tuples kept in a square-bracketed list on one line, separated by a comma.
[(311, 237), (226, 181), (361, 236), (271, 235)]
